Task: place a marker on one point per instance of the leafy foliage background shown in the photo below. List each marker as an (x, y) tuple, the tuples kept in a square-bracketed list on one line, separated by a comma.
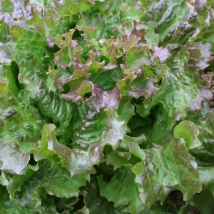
[(106, 106)]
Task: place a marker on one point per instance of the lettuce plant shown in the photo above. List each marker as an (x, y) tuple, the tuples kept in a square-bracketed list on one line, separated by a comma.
[(106, 106)]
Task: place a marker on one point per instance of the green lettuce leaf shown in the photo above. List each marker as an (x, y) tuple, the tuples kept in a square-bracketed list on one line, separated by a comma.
[(106, 106), (114, 190), (20, 124), (164, 170), (94, 203)]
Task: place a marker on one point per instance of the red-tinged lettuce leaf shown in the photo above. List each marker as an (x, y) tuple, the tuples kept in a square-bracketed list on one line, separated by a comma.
[(179, 92), (136, 58), (104, 99), (205, 153), (142, 86), (52, 24), (99, 128), (132, 35), (140, 31), (114, 131), (204, 49), (161, 53), (120, 84), (110, 53), (93, 65), (200, 55), (74, 82), (94, 96), (69, 53), (172, 21), (93, 25), (85, 90), (115, 192), (203, 94), (204, 35), (163, 170), (137, 85), (16, 13), (54, 82), (78, 161), (75, 160), (130, 42)]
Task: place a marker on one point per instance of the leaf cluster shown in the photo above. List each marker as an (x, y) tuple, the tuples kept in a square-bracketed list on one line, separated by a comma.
[(106, 107)]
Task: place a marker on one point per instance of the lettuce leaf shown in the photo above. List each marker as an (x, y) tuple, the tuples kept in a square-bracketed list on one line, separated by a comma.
[(106, 106)]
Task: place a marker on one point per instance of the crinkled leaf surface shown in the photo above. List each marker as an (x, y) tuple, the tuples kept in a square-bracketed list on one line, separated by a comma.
[(18, 180), (20, 124), (206, 133), (56, 180), (204, 153), (181, 90), (58, 111), (106, 106), (114, 131), (166, 169), (90, 129), (75, 160), (48, 177)]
